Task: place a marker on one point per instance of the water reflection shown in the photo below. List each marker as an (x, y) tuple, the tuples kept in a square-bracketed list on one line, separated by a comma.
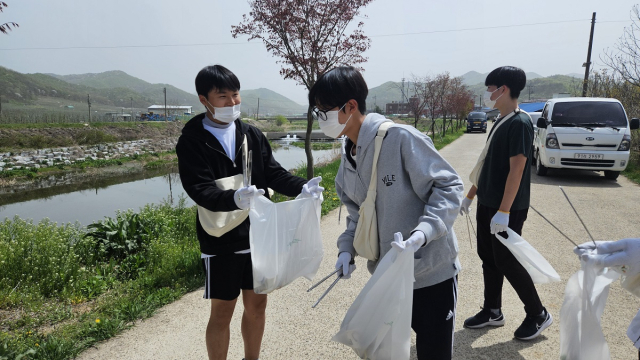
[(96, 201), (88, 200)]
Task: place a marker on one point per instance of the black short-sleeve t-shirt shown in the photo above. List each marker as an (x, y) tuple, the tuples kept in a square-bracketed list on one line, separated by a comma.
[(512, 138)]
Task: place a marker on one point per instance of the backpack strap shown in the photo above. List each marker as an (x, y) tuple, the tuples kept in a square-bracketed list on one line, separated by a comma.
[(382, 131)]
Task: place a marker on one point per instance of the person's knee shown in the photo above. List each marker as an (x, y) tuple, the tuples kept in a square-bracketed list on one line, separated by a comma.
[(255, 304), (221, 312)]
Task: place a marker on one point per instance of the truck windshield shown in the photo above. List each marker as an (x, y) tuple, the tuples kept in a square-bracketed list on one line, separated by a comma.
[(588, 114), (477, 116)]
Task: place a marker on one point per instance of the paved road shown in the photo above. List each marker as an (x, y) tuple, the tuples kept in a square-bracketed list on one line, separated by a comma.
[(295, 331)]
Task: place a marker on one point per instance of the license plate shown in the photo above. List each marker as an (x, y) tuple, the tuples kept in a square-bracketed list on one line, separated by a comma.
[(589, 156), (476, 122)]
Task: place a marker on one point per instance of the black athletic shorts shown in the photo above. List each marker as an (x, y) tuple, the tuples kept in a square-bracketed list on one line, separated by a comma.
[(226, 275)]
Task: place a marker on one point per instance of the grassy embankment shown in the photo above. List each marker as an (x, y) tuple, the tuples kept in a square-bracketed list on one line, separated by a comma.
[(65, 287)]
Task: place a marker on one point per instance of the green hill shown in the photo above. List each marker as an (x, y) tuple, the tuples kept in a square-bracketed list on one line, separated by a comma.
[(120, 79), (271, 103), (474, 78), (542, 88), (386, 93), (114, 90), (28, 88)]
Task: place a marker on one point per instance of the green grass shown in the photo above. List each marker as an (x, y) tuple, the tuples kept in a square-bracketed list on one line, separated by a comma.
[(317, 145), (131, 124), (69, 287), (632, 172), (440, 142), (56, 275)]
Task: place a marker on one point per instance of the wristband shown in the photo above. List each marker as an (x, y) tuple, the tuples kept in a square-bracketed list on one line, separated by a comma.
[(504, 212)]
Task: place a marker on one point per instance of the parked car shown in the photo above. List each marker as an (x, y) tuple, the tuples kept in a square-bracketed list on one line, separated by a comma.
[(477, 121), (583, 133)]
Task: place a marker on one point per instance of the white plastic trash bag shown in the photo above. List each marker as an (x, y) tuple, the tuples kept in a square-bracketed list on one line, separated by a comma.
[(536, 265), (285, 241), (585, 296), (377, 326)]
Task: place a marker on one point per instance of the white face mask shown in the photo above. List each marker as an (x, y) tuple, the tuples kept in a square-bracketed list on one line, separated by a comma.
[(487, 98), (225, 114), (329, 123)]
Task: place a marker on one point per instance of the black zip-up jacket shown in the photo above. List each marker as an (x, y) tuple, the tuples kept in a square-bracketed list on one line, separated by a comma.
[(202, 160)]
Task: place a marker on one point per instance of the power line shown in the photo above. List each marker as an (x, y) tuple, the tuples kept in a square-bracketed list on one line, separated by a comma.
[(481, 28), (257, 42)]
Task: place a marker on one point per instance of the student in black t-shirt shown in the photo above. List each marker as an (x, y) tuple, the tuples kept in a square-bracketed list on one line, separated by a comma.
[(502, 184)]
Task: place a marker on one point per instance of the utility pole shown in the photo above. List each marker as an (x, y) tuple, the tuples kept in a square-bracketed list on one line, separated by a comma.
[(0, 105), (587, 65), (258, 112), (89, 103), (165, 104), (131, 108)]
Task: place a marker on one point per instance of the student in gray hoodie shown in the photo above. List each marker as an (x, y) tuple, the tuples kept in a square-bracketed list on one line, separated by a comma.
[(418, 195)]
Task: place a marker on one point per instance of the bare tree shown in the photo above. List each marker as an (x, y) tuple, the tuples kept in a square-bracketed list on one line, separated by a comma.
[(418, 101), (457, 98), (443, 83), (432, 100), (625, 59), (309, 37), (6, 27)]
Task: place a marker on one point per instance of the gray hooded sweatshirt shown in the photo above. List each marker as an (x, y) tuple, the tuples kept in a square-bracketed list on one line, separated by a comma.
[(417, 190)]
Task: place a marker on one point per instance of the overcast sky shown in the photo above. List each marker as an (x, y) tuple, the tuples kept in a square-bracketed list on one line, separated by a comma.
[(444, 45)]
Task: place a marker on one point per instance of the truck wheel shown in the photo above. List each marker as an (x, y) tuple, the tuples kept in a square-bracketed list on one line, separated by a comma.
[(611, 175), (541, 170)]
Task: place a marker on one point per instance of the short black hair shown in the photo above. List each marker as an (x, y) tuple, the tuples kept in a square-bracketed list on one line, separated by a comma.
[(337, 86), (216, 77), (513, 77)]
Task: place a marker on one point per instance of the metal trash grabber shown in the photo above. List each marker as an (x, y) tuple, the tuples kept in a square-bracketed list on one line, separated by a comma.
[(330, 286), (579, 218)]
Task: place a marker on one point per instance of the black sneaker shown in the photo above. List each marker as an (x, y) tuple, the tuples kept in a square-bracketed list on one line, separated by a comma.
[(484, 318), (532, 326)]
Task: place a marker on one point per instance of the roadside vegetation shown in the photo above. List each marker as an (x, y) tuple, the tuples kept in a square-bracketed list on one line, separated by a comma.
[(15, 136), (65, 287), (149, 161)]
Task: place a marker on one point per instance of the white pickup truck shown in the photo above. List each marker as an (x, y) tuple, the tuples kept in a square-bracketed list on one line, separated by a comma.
[(583, 133)]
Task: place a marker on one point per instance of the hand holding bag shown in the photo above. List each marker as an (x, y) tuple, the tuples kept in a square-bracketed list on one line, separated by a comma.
[(377, 326)]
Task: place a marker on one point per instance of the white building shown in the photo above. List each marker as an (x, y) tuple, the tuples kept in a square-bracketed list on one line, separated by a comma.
[(171, 109)]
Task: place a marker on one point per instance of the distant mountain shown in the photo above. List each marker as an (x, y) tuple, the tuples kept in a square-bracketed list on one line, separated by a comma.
[(120, 79), (541, 88), (538, 88), (474, 77), (27, 88), (117, 89), (576, 75), (385, 93), (271, 103)]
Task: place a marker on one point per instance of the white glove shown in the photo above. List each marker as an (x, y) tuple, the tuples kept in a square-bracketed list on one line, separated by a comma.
[(499, 222), (413, 243), (623, 254), (465, 206), (344, 259), (243, 196), (587, 248), (312, 188)]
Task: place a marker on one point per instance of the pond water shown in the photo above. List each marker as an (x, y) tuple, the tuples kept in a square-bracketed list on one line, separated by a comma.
[(88, 203)]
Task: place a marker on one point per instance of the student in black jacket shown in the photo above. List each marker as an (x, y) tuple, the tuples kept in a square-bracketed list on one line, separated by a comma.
[(210, 149)]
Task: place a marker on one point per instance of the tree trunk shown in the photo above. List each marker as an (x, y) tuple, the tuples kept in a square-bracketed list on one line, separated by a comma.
[(307, 143), (433, 127)]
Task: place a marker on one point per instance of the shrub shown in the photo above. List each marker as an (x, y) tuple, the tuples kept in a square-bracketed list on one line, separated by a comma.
[(92, 136), (281, 120), (120, 237)]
